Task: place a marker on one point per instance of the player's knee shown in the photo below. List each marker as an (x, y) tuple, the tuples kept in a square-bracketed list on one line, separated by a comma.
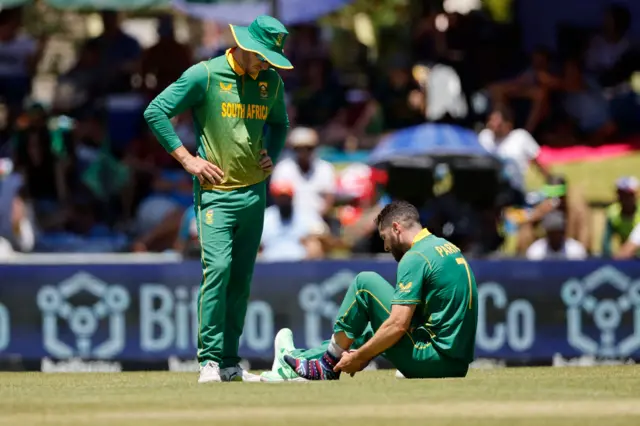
[(218, 266), (366, 278)]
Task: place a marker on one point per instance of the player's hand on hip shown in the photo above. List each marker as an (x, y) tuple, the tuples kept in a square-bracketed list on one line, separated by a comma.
[(205, 171), (265, 163)]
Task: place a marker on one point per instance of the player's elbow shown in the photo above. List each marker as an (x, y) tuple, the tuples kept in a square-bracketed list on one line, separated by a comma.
[(150, 113), (399, 326)]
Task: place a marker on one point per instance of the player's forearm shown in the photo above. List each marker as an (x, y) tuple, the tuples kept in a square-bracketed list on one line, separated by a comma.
[(181, 155), (161, 126), (387, 335), (627, 251), (276, 137)]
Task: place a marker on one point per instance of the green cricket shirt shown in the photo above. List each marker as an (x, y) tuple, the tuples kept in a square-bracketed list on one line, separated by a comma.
[(434, 275), (230, 110)]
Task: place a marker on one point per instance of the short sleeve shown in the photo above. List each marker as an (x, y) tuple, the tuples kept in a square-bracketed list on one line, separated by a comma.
[(486, 139), (635, 236), (269, 228), (328, 179), (529, 145), (537, 251), (283, 171), (576, 251), (412, 272)]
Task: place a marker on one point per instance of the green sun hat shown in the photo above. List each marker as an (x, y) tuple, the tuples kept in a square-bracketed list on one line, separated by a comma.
[(266, 37)]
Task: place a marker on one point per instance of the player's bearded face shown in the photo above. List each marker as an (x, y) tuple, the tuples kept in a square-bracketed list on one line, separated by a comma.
[(398, 252), (393, 243)]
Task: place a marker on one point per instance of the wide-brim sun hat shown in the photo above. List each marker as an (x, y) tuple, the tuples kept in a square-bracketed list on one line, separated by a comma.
[(303, 137), (266, 37), (627, 184)]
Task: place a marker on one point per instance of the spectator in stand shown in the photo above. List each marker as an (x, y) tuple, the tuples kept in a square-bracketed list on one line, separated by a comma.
[(147, 160), (304, 45), (160, 214), (612, 43), (533, 84), (79, 87), (516, 148), (157, 71), (622, 216), (558, 197), (16, 225), (400, 97), (188, 242), (289, 233), (97, 179), (358, 126), (586, 107), (631, 248), (19, 56), (120, 53), (35, 157), (555, 244), (321, 98), (313, 179), (360, 188)]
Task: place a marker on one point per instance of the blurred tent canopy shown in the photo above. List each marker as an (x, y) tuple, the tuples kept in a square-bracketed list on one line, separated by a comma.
[(431, 159), (243, 12), (90, 4), (240, 12), (428, 140)]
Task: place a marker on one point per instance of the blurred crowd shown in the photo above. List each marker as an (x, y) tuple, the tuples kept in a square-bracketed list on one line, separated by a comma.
[(85, 174)]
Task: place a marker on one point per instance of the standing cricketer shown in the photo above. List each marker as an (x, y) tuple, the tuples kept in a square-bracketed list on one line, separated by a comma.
[(425, 327), (231, 98)]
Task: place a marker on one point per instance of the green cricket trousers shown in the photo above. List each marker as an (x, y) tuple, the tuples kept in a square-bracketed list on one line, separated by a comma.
[(230, 228), (365, 307)]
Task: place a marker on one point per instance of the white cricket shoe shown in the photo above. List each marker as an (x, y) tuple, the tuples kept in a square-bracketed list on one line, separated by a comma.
[(210, 372), (280, 370), (399, 375), (237, 374)]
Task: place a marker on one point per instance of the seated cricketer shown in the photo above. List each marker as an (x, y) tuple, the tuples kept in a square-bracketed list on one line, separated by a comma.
[(425, 326)]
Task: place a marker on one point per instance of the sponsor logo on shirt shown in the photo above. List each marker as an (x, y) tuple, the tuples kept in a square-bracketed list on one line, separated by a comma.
[(225, 87), (404, 288)]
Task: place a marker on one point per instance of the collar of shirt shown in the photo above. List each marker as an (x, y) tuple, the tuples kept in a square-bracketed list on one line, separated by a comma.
[(235, 66), (421, 235)]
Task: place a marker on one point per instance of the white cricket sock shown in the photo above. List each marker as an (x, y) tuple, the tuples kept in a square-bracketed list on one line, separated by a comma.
[(334, 349)]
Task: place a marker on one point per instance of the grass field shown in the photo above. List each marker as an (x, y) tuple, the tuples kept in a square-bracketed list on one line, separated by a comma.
[(596, 179), (515, 396)]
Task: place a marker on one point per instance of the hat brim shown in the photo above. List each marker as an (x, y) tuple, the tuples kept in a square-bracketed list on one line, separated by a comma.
[(246, 42), (304, 144)]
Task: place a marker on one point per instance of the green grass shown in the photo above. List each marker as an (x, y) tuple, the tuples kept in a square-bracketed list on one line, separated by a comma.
[(519, 396), (596, 179)]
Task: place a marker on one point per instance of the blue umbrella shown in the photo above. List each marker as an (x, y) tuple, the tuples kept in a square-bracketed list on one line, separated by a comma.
[(428, 140), (243, 12)]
